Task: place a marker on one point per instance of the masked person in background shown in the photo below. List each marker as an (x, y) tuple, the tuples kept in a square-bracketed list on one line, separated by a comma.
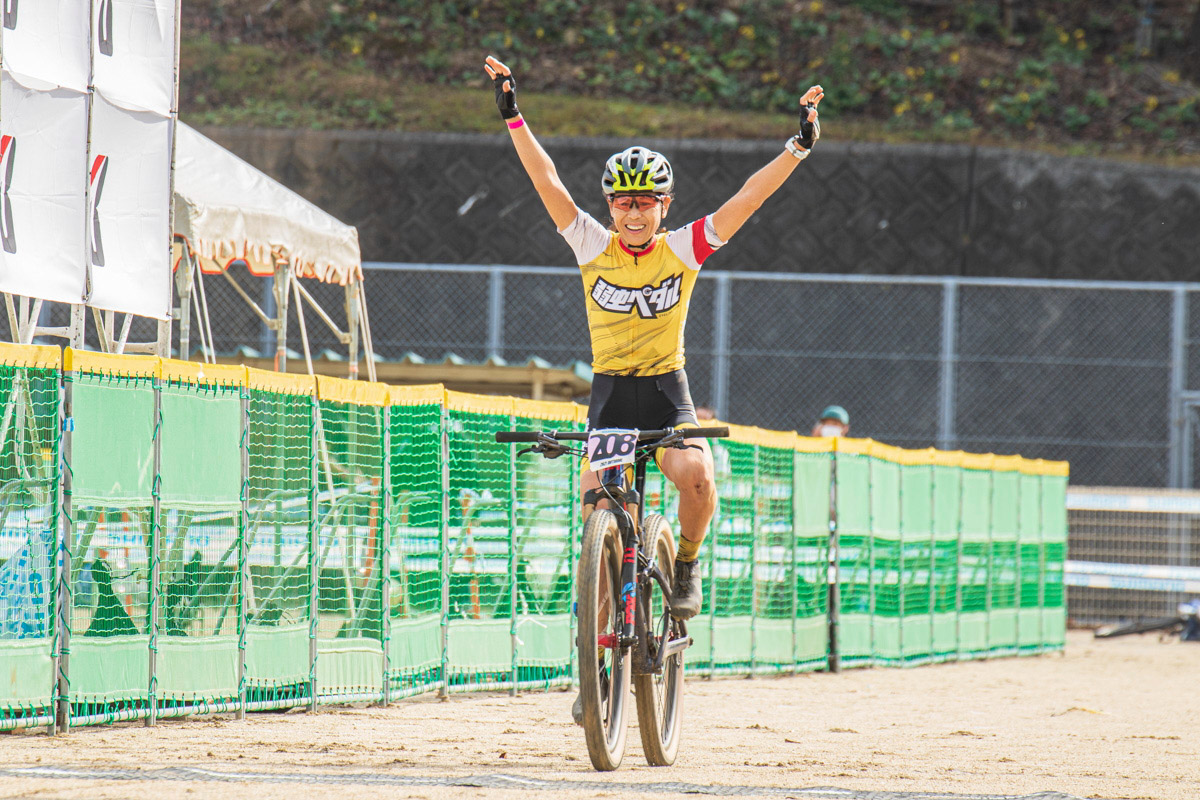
[(834, 421)]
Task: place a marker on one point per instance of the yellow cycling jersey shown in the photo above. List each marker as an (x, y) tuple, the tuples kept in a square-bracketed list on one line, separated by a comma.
[(637, 303)]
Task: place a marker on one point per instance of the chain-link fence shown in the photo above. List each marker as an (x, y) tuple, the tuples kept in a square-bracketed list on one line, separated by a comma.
[(1101, 374), (1091, 373)]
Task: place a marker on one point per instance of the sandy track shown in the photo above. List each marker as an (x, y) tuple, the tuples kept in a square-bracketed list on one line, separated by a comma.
[(1109, 719)]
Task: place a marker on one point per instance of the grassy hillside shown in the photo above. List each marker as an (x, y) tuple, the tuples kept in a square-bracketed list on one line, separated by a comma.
[(1064, 75)]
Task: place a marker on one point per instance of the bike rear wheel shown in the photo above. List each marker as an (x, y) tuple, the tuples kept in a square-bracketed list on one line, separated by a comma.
[(603, 667), (659, 696)]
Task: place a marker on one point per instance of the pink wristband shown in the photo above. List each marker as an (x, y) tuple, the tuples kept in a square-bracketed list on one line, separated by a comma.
[(512, 126)]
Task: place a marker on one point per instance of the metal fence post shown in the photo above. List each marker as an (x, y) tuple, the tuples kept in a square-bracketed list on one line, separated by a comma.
[(314, 546), (948, 365), (793, 578), (243, 565), (833, 593), (901, 585), (495, 312), (512, 555), (1178, 383), (156, 530), (66, 533), (721, 317), (872, 605), (755, 527), (958, 565), (444, 561), (385, 550)]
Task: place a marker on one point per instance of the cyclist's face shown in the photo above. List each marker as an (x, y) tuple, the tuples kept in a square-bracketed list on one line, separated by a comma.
[(637, 217)]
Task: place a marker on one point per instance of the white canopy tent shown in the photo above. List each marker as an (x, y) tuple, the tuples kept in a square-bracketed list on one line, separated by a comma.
[(228, 212)]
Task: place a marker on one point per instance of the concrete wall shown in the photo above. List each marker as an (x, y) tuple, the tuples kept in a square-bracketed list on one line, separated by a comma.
[(850, 208)]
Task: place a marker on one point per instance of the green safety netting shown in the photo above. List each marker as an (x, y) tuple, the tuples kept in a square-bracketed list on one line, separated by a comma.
[(246, 540), (112, 542), (349, 543), (280, 494), (29, 459), (414, 648), (199, 548)]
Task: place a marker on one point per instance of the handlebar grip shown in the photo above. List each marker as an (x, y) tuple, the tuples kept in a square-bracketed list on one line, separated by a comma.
[(705, 433), (516, 436)]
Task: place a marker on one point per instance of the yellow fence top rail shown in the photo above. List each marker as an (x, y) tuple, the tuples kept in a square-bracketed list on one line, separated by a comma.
[(545, 409), (948, 458), (479, 403), (342, 390), (986, 461), (265, 380), (200, 373), (32, 356), (913, 458), (1007, 463), (1039, 466), (858, 447), (125, 366), (746, 434), (814, 444), (424, 394)]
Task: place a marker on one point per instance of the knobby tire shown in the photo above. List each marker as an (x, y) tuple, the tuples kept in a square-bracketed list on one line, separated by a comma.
[(659, 697), (605, 718)]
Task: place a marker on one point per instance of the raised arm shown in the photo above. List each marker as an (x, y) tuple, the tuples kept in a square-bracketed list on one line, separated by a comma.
[(536, 161), (730, 217)]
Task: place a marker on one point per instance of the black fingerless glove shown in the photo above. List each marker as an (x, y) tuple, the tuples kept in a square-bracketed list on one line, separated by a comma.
[(809, 131), (506, 101)]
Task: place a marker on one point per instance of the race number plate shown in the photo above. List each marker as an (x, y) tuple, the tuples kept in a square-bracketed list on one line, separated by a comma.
[(611, 447)]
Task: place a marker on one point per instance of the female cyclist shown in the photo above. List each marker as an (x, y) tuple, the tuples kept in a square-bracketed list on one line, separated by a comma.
[(638, 279)]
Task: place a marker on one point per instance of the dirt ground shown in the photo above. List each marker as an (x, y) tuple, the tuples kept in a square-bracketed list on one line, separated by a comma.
[(1108, 719)]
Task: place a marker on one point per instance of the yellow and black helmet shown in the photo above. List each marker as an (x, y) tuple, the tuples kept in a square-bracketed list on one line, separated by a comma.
[(638, 169)]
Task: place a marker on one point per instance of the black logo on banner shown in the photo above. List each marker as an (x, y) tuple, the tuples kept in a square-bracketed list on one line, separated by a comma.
[(99, 171), (10, 14), (104, 27), (8, 154), (650, 301)]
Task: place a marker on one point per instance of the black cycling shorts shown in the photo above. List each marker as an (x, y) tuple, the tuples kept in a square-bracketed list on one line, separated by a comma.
[(644, 402)]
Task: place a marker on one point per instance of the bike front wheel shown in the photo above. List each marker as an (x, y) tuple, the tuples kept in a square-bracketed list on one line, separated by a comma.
[(603, 667), (659, 696)]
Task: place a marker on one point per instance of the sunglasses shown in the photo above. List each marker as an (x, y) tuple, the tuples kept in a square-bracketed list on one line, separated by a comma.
[(644, 202)]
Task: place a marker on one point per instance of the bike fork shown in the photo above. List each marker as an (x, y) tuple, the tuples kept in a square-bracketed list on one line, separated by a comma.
[(629, 592)]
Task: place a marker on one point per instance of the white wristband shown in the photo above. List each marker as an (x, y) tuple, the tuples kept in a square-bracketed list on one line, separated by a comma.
[(795, 149)]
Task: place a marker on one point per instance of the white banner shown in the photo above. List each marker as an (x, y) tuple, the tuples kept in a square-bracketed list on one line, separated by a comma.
[(47, 40), (128, 218), (133, 53), (43, 150)]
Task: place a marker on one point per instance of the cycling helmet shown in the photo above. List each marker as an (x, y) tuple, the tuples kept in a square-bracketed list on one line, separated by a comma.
[(835, 412), (638, 169)]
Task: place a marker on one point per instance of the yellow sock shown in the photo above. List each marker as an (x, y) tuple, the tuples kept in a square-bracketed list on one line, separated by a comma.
[(687, 550)]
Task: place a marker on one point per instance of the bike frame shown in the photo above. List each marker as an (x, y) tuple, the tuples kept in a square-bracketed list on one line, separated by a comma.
[(613, 480), (615, 489)]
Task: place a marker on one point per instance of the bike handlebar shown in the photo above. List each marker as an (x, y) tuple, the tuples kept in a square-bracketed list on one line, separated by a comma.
[(643, 436)]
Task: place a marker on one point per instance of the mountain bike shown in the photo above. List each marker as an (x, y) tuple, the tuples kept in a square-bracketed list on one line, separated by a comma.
[(626, 632)]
